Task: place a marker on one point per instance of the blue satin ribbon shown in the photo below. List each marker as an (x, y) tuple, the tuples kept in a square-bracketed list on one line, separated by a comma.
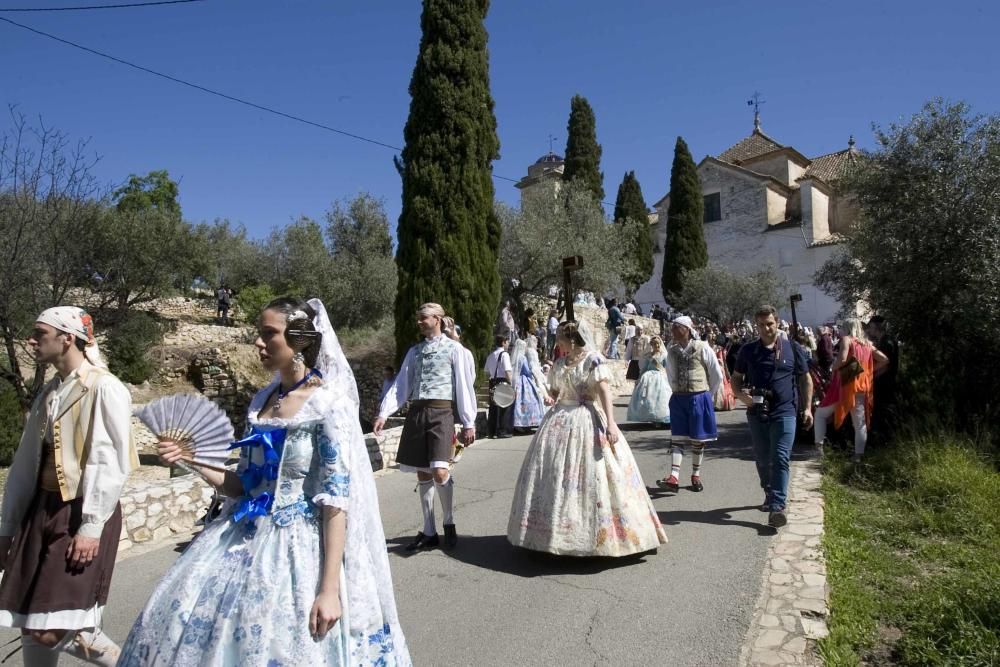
[(255, 474), (271, 442), (251, 508)]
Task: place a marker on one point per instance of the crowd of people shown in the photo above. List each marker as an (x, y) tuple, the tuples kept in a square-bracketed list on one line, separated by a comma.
[(294, 570)]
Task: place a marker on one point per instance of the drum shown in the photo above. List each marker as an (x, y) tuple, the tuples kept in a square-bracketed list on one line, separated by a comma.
[(503, 395)]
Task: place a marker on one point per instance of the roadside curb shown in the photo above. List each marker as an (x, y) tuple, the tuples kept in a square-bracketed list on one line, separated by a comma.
[(791, 611)]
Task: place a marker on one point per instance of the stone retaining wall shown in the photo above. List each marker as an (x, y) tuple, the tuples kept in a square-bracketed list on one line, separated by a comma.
[(154, 510)]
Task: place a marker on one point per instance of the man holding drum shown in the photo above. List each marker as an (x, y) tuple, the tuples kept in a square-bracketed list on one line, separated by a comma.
[(436, 377), (499, 422)]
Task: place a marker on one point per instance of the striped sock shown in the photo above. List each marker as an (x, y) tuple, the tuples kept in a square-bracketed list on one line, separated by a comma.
[(697, 456), (676, 458)]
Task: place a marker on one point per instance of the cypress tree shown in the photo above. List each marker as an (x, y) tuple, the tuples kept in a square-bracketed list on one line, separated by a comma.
[(632, 215), (449, 236), (583, 153), (685, 246)]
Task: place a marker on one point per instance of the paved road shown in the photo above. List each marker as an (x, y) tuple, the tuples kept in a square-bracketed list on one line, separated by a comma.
[(487, 604)]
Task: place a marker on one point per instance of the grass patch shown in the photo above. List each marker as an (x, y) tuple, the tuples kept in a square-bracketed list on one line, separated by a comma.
[(913, 555)]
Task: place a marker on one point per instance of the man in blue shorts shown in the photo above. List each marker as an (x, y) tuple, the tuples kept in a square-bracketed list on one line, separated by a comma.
[(695, 376)]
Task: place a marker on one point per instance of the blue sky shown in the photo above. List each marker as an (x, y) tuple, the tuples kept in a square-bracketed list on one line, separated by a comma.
[(652, 71)]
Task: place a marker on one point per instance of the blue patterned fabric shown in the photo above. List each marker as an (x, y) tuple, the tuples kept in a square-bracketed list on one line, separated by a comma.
[(529, 408), (433, 374), (240, 595), (650, 400)]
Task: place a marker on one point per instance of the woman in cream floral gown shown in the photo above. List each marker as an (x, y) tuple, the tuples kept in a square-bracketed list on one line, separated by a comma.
[(579, 492)]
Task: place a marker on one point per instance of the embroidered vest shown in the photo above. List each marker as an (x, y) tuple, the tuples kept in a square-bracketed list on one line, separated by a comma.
[(692, 376), (432, 371)]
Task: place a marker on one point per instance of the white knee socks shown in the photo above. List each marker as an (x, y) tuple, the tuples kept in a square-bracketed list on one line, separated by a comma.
[(697, 456), (38, 655), (426, 490), (446, 492), (676, 458)]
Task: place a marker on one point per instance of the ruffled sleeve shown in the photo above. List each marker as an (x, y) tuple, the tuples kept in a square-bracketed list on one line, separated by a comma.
[(600, 370), (553, 377), (330, 474)]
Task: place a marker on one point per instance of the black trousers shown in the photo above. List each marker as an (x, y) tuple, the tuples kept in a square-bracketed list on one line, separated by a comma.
[(499, 421)]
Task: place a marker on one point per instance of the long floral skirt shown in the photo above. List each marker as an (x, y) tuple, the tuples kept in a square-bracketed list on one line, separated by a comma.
[(578, 496), (650, 400), (241, 598), (529, 409)]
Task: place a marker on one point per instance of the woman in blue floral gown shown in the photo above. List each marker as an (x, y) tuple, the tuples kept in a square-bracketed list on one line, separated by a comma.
[(294, 572), (529, 394), (651, 398)]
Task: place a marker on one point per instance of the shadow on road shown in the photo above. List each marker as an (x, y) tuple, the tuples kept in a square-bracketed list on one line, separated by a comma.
[(716, 517), (644, 427), (494, 552), (733, 442)]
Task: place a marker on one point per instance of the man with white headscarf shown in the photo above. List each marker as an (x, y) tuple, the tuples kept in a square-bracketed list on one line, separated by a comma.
[(695, 375), (61, 520), (436, 379)]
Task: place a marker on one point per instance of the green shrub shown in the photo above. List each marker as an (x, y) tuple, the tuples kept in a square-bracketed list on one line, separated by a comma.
[(11, 423), (251, 301), (128, 346)]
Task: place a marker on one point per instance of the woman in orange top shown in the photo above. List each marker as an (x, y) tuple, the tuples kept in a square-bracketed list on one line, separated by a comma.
[(854, 396)]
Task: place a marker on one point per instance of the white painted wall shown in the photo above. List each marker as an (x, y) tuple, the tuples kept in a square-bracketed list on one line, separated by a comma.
[(815, 212), (739, 243), (776, 205)]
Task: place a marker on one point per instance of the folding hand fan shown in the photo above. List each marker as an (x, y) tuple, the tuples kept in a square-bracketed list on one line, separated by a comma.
[(197, 424)]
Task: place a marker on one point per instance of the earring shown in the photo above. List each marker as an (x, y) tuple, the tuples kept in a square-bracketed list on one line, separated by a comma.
[(298, 362)]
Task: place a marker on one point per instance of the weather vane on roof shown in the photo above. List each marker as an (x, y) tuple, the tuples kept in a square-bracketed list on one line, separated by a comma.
[(551, 139), (755, 102)]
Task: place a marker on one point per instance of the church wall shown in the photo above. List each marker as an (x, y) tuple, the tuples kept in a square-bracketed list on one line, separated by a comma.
[(787, 253), (651, 292), (780, 167), (734, 241), (795, 172), (815, 212), (844, 212), (777, 205), (547, 188), (776, 166)]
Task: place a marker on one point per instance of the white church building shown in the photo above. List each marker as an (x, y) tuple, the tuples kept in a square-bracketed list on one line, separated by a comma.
[(768, 204)]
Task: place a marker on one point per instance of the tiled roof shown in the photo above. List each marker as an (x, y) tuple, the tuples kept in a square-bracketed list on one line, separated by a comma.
[(832, 166), (753, 146)]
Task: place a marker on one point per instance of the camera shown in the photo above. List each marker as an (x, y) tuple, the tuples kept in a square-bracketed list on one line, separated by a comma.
[(763, 400)]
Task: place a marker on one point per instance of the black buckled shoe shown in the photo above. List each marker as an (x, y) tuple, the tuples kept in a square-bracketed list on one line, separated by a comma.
[(696, 484), (450, 536), (421, 542), (777, 519), (670, 484)]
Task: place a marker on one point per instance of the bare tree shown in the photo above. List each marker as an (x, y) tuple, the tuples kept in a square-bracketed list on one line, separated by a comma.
[(49, 200)]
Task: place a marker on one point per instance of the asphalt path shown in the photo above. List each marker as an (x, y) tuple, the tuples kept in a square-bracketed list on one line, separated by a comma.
[(486, 603)]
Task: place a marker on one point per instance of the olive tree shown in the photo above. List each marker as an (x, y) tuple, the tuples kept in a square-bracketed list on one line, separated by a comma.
[(925, 251)]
